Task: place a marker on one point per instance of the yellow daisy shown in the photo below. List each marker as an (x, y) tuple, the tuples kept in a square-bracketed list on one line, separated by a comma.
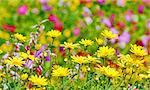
[(60, 71), (53, 33), (105, 51), (15, 61), (70, 45), (79, 59), (138, 50), (86, 42), (39, 81), (108, 34), (20, 37)]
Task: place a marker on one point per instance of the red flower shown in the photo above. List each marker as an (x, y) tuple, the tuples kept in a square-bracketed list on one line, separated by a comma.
[(39, 70), (10, 28), (58, 26)]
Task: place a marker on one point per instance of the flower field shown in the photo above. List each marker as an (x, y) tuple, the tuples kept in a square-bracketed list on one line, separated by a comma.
[(74, 44)]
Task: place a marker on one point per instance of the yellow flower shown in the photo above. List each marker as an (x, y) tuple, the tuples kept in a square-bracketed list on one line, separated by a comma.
[(60, 71), (39, 81), (105, 51), (2, 34), (23, 55), (138, 50), (92, 59), (124, 60), (1, 51), (79, 59), (70, 45), (27, 55), (15, 61), (20, 37), (99, 41), (38, 46), (110, 72), (67, 33), (108, 34), (86, 42), (53, 33), (1, 75), (6, 47), (24, 76)]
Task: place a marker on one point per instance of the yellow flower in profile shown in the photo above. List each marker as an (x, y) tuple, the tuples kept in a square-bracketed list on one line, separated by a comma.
[(27, 55), (1, 75), (15, 61), (60, 71), (86, 42), (138, 50), (39, 81), (53, 33), (99, 41), (38, 46), (70, 45), (24, 76), (108, 34), (20, 37), (79, 59), (92, 59), (105, 51), (110, 72), (23, 55)]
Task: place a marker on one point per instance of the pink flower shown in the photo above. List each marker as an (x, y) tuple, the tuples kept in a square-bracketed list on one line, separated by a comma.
[(101, 1), (148, 24), (22, 10), (140, 9), (76, 31), (52, 18), (129, 15)]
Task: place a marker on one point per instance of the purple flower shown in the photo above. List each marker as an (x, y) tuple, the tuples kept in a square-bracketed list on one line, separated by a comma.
[(145, 40), (148, 24), (114, 31), (124, 38), (43, 1), (29, 64), (48, 58), (22, 10), (107, 22), (129, 15), (121, 3), (46, 7), (1, 67), (140, 9)]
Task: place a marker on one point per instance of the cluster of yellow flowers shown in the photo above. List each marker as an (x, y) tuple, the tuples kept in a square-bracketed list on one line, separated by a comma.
[(47, 67)]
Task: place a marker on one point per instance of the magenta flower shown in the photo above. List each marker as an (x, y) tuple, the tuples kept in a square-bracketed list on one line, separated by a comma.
[(140, 9), (22, 10), (76, 31), (101, 1), (52, 18)]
